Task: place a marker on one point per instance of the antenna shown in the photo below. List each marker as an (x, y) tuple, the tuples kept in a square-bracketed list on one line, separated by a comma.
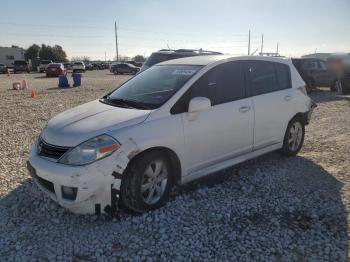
[(116, 40), (249, 43)]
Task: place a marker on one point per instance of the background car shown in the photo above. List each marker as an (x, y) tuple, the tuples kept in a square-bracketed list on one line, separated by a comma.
[(55, 70), (166, 54), (124, 68), (67, 66), (315, 72), (89, 67), (3, 68), (20, 66), (78, 67), (43, 65)]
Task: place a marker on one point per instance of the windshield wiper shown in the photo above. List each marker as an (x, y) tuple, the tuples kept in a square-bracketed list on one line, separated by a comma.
[(127, 103)]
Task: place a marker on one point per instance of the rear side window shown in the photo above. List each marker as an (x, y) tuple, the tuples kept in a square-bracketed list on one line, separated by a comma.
[(266, 77), (262, 77), (310, 65), (283, 76)]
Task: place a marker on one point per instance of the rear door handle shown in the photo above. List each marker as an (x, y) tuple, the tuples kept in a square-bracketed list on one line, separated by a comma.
[(244, 109), (288, 98)]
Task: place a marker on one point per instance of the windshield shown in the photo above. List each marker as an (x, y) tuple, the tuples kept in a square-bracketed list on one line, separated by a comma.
[(156, 85), (20, 63)]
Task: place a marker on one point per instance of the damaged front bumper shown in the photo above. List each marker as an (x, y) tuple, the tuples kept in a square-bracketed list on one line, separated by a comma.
[(89, 189)]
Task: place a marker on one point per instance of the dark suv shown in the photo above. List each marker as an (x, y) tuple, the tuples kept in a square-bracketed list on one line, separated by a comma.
[(165, 54), (124, 68), (315, 72), (20, 66)]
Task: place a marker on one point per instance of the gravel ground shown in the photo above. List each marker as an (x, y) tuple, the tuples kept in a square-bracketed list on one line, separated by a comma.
[(269, 209)]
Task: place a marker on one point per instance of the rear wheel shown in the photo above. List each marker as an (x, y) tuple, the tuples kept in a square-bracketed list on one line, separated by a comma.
[(310, 85), (147, 182), (294, 137)]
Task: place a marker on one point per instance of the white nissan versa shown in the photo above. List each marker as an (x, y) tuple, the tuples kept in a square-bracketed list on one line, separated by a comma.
[(177, 121)]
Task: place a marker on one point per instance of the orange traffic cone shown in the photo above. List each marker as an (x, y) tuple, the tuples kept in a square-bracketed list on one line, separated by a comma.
[(33, 93), (24, 84)]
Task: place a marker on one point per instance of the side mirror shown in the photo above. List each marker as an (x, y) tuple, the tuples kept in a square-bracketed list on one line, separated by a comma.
[(198, 104)]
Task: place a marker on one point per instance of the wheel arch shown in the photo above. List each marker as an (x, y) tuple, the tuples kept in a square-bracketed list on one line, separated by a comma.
[(173, 158)]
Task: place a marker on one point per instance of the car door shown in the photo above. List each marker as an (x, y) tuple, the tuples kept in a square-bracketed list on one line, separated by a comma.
[(226, 129), (313, 71), (326, 76), (270, 87)]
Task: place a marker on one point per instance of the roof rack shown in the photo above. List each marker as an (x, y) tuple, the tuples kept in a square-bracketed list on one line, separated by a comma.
[(193, 51)]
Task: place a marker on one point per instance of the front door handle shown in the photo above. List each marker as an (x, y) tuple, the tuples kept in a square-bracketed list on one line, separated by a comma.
[(288, 98), (244, 109)]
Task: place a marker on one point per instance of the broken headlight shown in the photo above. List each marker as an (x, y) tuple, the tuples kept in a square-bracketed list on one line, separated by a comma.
[(90, 151)]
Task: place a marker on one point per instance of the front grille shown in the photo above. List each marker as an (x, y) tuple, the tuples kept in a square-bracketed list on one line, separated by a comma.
[(51, 151), (44, 183)]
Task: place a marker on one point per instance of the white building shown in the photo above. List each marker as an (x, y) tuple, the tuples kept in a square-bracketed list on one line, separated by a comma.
[(9, 54)]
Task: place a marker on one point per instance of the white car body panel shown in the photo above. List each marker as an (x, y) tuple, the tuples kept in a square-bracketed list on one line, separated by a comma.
[(217, 138)]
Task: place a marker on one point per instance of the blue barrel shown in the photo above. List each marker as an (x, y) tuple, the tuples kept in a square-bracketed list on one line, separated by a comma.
[(76, 79), (63, 81)]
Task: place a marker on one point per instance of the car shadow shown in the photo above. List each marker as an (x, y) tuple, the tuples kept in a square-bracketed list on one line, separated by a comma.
[(293, 196), (324, 95)]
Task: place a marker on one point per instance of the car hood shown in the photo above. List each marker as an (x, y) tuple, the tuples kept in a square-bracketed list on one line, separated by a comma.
[(83, 122)]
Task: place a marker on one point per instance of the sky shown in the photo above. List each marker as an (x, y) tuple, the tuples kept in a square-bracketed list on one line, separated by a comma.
[(86, 27)]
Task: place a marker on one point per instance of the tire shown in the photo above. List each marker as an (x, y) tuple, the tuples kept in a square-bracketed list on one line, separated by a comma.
[(142, 172), (334, 87), (292, 141)]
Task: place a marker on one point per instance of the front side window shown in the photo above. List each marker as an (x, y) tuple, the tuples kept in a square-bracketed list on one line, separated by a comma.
[(224, 83), (323, 65), (311, 65), (154, 86), (262, 77)]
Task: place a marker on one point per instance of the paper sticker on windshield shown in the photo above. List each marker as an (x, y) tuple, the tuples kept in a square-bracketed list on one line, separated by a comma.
[(184, 72)]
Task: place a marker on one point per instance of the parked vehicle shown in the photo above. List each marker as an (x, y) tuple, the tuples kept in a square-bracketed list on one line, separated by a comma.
[(165, 55), (173, 123), (20, 66), (124, 68), (43, 65), (315, 73), (78, 67), (89, 67), (67, 66), (3, 68), (55, 70), (137, 64)]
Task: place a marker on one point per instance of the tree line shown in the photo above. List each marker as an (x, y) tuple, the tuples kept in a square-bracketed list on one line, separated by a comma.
[(57, 54)]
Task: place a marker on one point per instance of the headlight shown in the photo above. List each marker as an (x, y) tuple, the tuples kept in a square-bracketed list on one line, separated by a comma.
[(90, 151)]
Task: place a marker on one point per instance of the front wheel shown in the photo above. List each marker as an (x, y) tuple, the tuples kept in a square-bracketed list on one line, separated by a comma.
[(147, 182), (294, 137)]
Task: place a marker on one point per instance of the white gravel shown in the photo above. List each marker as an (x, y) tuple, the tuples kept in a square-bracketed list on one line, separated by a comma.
[(269, 209)]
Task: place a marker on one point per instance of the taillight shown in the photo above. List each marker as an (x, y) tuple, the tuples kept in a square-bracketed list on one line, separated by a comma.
[(302, 89)]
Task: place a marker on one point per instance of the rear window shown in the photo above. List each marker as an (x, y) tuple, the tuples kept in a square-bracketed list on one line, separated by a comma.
[(54, 66), (156, 58)]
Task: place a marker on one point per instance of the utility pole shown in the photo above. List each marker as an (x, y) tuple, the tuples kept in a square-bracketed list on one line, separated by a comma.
[(105, 57), (262, 44), (277, 49), (116, 40), (249, 43)]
